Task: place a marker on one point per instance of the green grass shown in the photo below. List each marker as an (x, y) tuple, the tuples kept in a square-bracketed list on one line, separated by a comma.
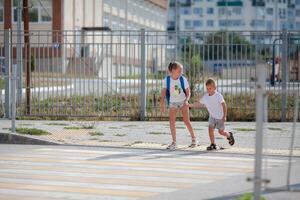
[(245, 129), (26, 124), (96, 133), (31, 131), (78, 127), (113, 127), (136, 142), (149, 76), (128, 126), (73, 127), (248, 196), (120, 135), (2, 83), (275, 129), (104, 140), (156, 133), (57, 124), (198, 129), (114, 106), (180, 127)]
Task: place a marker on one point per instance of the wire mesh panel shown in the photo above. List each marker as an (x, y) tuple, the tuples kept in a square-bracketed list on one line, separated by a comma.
[(92, 73)]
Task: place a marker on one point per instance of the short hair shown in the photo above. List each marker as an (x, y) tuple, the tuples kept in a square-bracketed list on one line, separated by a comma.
[(174, 65), (210, 81)]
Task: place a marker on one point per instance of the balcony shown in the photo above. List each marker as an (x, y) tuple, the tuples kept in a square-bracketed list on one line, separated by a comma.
[(229, 3), (258, 3)]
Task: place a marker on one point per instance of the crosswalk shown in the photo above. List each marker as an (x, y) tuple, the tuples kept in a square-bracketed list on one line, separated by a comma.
[(114, 174)]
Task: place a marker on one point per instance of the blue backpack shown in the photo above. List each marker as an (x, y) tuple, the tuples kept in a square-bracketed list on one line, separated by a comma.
[(168, 87)]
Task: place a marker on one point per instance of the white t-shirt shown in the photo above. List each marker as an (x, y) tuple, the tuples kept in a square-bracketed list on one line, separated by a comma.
[(213, 104), (176, 92)]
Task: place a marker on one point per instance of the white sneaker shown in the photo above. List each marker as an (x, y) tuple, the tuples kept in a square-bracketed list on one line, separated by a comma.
[(172, 146)]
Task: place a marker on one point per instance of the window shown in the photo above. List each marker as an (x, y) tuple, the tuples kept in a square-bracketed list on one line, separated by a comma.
[(298, 2), (210, 10), (237, 10), (283, 25), (270, 11), (269, 25), (231, 23), (187, 24), (197, 23), (222, 11), (210, 23), (198, 11), (258, 23), (39, 11), (298, 13), (282, 13), (185, 11), (291, 13)]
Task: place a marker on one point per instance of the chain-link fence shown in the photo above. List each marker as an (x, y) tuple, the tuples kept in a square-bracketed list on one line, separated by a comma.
[(93, 73)]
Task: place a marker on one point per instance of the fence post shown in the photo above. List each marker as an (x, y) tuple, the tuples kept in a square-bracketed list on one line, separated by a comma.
[(260, 90), (284, 72), (143, 76), (13, 98), (296, 110), (19, 53), (7, 47)]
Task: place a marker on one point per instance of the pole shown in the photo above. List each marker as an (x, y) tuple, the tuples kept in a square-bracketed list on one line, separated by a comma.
[(7, 54), (27, 53), (19, 52), (292, 141), (143, 76), (7, 47), (284, 73), (260, 90), (13, 99)]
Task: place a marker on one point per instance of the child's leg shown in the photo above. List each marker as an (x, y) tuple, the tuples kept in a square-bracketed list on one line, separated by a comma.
[(224, 133), (211, 135), (173, 113), (229, 136), (187, 122)]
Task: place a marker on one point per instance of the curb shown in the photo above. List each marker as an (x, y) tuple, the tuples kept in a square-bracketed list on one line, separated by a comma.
[(11, 138)]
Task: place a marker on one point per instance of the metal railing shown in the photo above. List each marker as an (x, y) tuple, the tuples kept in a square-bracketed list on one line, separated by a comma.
[(119, 73)]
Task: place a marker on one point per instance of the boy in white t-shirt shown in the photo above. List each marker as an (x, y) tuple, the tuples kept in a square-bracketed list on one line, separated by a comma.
[(216, 106)]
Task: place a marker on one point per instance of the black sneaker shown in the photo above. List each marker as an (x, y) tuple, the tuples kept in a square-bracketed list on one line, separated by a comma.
[(230, 139), (212, 147)]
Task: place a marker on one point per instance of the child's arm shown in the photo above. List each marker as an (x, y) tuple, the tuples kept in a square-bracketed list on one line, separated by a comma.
[(162, 100), (187, 95), (224, 111)]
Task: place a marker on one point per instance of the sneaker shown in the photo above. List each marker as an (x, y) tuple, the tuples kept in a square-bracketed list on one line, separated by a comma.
[(231, 139), (194, 144), (212, 147), (172, 146)]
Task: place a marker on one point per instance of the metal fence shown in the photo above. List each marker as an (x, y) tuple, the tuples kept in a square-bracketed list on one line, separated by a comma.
[(90, 73)]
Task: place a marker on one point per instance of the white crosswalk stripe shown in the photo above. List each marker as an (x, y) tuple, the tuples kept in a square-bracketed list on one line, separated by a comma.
[(60, 173)]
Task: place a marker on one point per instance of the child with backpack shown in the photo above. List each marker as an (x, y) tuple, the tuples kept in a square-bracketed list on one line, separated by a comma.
[(177, 93), (216, 106)]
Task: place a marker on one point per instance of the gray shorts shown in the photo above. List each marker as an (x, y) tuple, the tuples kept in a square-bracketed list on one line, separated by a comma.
[(176, 105), (216, 123)]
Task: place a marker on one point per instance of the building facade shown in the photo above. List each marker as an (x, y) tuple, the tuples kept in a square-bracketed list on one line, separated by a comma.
[(241, 15)]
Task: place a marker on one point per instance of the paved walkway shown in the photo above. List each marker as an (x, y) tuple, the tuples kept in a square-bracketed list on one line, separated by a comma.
[(155, 135), (77, 173)]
